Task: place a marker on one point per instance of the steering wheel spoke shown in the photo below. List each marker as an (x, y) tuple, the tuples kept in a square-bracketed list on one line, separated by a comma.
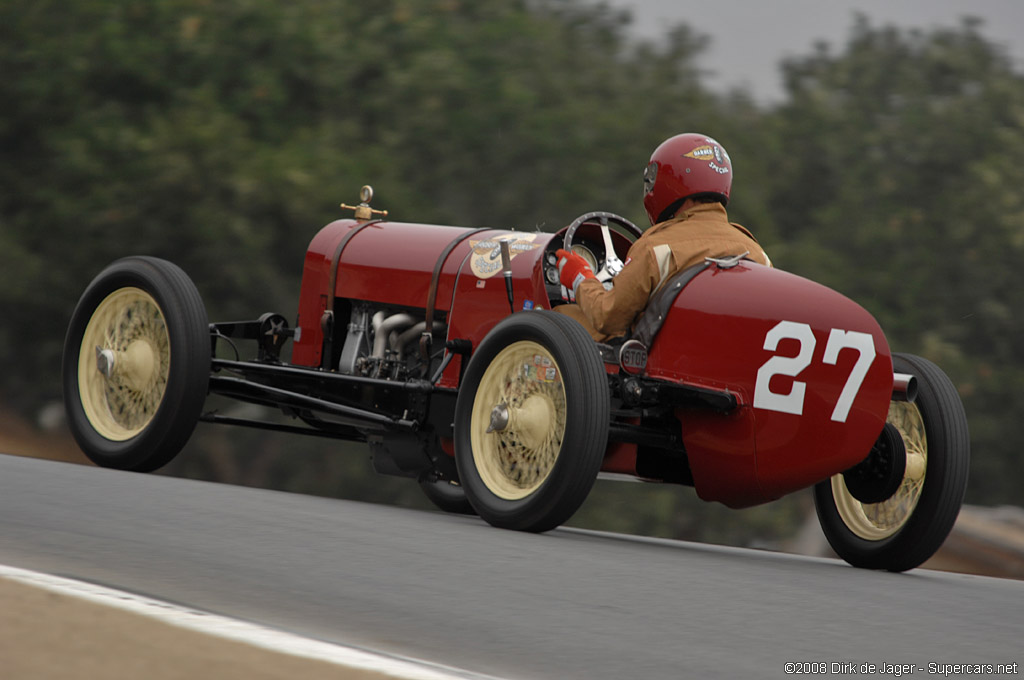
[(611, 264)]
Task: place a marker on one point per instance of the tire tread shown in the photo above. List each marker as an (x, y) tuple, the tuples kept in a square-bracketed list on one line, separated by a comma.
[(182, 405), (945, 481)]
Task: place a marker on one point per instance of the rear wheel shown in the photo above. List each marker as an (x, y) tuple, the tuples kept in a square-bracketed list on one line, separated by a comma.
[(136, 364), (447, 496), (531, 422), (876, 521)]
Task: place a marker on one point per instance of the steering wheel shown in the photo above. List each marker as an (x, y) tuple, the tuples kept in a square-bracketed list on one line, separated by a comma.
[(612, 265)]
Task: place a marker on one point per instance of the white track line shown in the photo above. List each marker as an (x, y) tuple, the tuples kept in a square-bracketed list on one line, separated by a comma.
[(240, 631)]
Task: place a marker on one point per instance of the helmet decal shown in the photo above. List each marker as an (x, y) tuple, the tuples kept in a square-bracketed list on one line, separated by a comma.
[(712, 153), (704, 153), (685, 165)]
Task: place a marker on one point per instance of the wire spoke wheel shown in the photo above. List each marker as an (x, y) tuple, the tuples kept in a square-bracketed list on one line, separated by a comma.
[(124, 363), (525, 383), (136, 364), (902, 531), (531, 421), (875, 521)]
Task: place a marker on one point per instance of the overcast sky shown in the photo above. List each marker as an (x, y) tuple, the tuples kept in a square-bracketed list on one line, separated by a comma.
[(751, 37)]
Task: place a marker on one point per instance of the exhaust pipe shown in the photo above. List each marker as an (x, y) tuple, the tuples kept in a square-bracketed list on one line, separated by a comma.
[(904, 387)]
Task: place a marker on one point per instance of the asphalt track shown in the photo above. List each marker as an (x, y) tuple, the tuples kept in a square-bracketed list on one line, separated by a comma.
[(449, 589)]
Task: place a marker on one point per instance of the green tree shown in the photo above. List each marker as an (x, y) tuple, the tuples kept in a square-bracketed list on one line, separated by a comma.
[(899, 183), (222, 136)]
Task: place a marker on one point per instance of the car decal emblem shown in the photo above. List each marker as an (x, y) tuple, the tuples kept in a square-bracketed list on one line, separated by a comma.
[(486, 260)]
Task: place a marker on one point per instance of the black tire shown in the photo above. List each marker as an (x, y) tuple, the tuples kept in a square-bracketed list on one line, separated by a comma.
[(898, 534), (447, 496), (548, 369), (148, 316)]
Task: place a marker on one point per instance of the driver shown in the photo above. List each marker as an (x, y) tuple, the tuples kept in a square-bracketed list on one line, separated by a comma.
[(686, 187)]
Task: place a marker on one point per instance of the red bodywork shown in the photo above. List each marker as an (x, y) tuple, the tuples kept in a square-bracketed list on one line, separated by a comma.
[(393, 263), (715, 336), (811, 370)]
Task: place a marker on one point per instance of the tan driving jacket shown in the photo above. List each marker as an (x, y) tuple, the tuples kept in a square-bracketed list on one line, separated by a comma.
[(666, 248)]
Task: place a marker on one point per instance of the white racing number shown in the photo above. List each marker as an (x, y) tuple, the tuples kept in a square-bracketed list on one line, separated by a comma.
[(790, 366), (793, 401)]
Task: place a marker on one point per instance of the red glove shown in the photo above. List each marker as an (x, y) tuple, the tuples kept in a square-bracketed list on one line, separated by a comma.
[(572, 271)]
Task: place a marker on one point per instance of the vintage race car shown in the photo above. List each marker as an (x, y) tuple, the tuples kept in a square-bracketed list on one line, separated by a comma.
[(438, 346)]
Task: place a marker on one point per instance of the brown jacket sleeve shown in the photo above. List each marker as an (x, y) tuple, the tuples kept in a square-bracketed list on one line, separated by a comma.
[(667, 248), (664, 249), (613, 311)]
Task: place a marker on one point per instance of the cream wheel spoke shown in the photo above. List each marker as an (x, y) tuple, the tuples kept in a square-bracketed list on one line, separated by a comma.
[(124, 364), (877, 521), (515, 459)]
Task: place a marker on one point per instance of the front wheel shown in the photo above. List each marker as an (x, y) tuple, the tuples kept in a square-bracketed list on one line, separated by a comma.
[(531, 421), (927, 443), (136, 364)]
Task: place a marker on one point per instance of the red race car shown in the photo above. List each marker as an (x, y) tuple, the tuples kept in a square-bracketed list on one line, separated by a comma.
[(437, 346)]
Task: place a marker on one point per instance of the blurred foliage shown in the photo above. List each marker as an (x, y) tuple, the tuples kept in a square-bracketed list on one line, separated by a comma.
[(222, 135), (901, 187)]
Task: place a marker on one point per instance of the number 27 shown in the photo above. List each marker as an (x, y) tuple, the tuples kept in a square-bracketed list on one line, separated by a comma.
[(793, 402)]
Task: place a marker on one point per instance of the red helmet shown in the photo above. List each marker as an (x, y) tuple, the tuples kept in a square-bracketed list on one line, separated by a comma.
[(683, 166)]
